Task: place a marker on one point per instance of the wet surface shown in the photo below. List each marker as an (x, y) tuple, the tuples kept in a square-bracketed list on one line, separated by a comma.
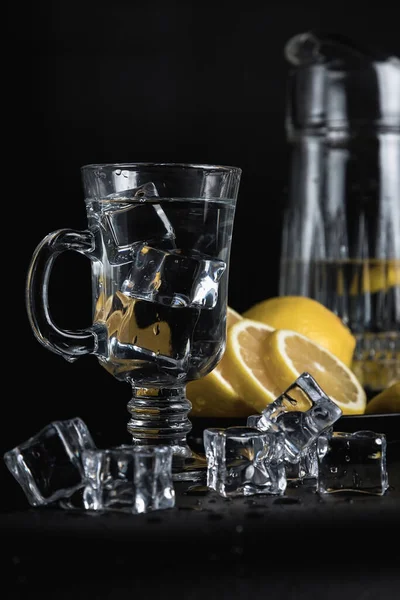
[(223, 535)]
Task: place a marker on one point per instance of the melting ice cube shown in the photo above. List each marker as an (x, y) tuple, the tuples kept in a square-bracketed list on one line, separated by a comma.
[(173, 278), (301, 428), (135, 216), (352, 462), (244, 461), (133, 479), (48, 466)]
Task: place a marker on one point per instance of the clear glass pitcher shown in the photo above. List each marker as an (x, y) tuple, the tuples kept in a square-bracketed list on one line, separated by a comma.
[(341, 235)]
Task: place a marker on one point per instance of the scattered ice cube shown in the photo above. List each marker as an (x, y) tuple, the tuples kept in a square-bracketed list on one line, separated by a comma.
[(352, 462), (172, 278), (300, 428), (154, 488), (132, 479), (307, 465), (48, 466), (109, 478), (242, 461)]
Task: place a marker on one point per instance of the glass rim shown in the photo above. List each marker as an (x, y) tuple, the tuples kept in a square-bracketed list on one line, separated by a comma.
[(180, 165)]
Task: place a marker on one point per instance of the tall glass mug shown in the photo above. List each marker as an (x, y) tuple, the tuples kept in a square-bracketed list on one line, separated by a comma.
[(159, 239), (341, 237)]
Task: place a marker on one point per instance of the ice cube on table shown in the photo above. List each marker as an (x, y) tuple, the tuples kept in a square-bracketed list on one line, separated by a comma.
[(173, 278), (242, 461), (300, 428), (352, 462), (48, 466), (154, 488), (134, 479), (304, 468)]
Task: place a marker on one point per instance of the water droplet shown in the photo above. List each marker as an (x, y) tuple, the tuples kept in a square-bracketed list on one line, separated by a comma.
[(347, 458), (334, 469), (239, 528), (156, 329), (118, 172), (135, 340)]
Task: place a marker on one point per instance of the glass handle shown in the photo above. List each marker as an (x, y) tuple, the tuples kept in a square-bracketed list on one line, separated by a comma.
[(69, 344)]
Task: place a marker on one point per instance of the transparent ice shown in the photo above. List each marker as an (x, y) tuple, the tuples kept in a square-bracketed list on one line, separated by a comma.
[(48, 466), (172, 278), (304, 468), (352, 462), (242, 461), (131, 217), (133, 479), (301, 428), (140, 236), (154, 488)]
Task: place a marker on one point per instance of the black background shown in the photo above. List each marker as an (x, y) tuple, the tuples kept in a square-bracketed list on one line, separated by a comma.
[(140, 81)]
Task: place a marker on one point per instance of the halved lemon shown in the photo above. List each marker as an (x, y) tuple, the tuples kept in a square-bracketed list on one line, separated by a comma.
[(214, 395), (244, 352), (288, 354)]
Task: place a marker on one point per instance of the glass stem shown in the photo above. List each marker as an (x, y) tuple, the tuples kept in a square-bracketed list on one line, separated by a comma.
[(159, 416)]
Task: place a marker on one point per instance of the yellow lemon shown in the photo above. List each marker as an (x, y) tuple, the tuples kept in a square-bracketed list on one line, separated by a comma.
[(376, 276), (387, 401), (214, 394), (309, 318), (288, 354), (244, 352)]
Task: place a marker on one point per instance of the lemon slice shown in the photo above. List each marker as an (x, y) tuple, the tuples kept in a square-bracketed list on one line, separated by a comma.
[(376, 275), (214, 395), (244, 352), (307, 317), (288, 354), (388, 401)]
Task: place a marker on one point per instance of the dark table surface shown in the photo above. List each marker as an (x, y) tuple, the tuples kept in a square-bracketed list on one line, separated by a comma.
[(301, 545)]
